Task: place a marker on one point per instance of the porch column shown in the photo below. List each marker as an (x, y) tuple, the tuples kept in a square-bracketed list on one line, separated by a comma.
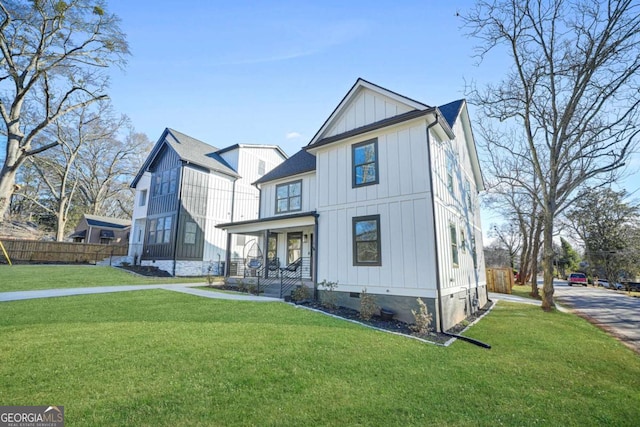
[(227, 258), (265, 253)]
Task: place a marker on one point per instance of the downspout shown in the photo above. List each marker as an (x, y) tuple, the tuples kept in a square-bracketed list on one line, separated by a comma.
[(175, 240)]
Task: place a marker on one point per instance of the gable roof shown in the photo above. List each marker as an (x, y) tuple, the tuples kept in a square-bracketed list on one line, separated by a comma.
[(189, 150), (359, 85), (105, 221), (236, 146), (300, 162), (451, 110)]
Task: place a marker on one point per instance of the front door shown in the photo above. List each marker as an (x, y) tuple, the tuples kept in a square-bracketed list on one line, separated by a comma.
[(294, 247)]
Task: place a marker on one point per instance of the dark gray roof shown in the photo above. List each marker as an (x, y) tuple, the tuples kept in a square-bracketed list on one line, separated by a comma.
[(197, 152), (188, 149), (299, 163), (105, 221), (451, 110)]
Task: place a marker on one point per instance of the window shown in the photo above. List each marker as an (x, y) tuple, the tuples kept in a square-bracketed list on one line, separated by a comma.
[(366, 241), (143, 198), (365, 163), (474, 254), (152, 232), (190, 230), (454, 245), (463, 241), (167, 229), (467, 186), (450, 185), (289, 197), (166, 182), (261, 167), (159, 230)]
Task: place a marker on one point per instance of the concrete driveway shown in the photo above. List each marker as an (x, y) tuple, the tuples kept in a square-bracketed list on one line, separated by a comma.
[(613, 311)]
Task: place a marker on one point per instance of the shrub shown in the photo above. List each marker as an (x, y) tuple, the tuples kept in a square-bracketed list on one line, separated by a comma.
[(300, 293), (368, 306), (423, 318), (330, 296)]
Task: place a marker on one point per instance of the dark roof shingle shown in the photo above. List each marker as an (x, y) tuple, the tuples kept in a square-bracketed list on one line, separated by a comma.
[(299, 163)]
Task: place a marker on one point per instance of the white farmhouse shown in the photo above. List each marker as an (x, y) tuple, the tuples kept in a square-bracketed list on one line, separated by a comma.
[(384, 197)]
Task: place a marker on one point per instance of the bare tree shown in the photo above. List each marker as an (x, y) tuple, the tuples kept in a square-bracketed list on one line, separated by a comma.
[(108, 167), (53, 54), (509, 237), (572, 90), (59, 170)]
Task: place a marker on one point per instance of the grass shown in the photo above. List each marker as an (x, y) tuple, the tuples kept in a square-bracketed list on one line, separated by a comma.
[(33, 277), (156, 357)]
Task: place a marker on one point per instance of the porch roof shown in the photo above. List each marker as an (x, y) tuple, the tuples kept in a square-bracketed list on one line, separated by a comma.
[(271, 223)]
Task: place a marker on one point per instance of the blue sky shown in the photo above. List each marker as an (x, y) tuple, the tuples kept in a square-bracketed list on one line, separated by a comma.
[(272, 71)]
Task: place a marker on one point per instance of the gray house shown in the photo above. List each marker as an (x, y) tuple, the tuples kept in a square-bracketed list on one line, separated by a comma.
[(183, 190)]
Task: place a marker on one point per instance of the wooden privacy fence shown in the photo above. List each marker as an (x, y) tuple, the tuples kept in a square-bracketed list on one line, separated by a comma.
[(35, 251), (500, 280)]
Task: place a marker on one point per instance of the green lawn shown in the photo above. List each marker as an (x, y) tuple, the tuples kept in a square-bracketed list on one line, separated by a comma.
[(161, 358), (32, 277)]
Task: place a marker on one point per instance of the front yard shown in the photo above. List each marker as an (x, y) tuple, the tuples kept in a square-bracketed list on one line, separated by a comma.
[(156, 357), (34, 277)]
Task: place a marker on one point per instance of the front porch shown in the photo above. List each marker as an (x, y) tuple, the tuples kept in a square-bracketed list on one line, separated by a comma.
[(269, 280), (278, 253)]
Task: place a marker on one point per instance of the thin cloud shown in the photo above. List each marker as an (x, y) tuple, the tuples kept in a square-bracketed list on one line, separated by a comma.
[(293, 135)]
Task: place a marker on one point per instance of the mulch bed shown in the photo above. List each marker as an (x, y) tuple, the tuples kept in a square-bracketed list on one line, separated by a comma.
[(398, 326), (146, 270)]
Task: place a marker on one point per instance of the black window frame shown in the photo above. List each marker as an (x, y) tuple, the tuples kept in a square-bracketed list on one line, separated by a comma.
[(355, 242), (289, 197), (354, 166)]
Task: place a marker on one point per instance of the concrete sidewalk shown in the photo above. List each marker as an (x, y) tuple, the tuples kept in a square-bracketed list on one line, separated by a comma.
[(178, 287), (494, 296)]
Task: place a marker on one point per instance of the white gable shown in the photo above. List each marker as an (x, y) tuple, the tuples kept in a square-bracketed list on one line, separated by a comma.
[(365, 104)]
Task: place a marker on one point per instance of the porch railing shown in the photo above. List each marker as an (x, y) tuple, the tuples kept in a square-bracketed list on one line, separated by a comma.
[(273, 278)]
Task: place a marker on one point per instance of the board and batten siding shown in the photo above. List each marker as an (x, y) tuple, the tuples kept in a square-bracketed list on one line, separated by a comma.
[(452, 209), (219, 208), (401, 198), (268, 197), (367, 107)]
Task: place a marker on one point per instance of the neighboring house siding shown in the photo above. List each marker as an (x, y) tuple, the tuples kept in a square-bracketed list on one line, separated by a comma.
[(194, 197), (162, 205), (220, 188), (368, 107)]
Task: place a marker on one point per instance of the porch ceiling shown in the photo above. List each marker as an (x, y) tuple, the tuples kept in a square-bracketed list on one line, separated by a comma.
[(273, 223)]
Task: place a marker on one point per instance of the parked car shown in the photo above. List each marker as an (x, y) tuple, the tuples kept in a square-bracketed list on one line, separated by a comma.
[(577, 279), (607, 285)]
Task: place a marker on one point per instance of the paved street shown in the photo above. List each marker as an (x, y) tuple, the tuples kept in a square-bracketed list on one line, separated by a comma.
[(614, 311)]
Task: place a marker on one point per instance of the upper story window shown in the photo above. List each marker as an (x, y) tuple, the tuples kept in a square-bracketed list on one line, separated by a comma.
[(364, 157), (289, 197), (366, 241), (261, 167), (469, 195), (166, 182), (450, 166), (143, 198)]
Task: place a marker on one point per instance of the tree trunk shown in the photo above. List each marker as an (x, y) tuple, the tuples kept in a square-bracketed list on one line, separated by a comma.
[(547, 262), (535, 251), (61, 219), (7, 188)]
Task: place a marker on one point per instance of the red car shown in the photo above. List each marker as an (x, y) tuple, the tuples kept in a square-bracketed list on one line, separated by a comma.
[(577, 279)]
